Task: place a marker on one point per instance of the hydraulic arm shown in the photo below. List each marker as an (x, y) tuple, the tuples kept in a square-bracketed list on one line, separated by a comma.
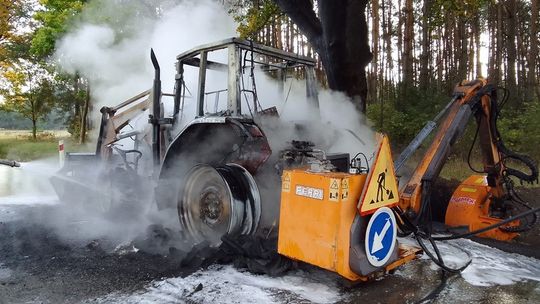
[(483, 199)]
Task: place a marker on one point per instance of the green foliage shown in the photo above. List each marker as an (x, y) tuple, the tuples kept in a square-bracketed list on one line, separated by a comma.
[(14, 121), (251, 22), (520, 129), (55, 18), (28, 90), (465, 9), (69, 100), (404, 118)]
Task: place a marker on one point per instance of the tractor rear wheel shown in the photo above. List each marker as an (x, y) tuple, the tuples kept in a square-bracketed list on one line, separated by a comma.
[(218, 201)]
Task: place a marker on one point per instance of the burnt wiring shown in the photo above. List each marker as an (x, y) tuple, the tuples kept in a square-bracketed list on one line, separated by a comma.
[(253, 90), (244, 86), (357, 162), (252, 76), (287, 97), (123, 154)]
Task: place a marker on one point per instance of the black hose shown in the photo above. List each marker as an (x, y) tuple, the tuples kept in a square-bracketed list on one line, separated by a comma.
[(435, 292), (518, 200), (420, 234), (10, 163), (471, 149)]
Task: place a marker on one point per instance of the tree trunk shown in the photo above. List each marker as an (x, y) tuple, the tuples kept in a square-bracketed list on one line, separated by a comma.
[(511, 46), (440, 59), (375, 42), (34, 130), (84, 116), (448, 55), (388, 46), (426, 34), (470, 59), (339, 35), (532, 84), (478, 72), (34, 127), (400, 42), (499, 46), (492, 40), (278, 31), (461, 39), (408, 44)]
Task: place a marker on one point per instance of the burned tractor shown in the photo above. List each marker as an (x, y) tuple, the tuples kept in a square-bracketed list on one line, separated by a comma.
[(202, 164)]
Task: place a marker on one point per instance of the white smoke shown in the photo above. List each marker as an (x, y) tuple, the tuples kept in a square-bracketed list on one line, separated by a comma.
[(117, 63)]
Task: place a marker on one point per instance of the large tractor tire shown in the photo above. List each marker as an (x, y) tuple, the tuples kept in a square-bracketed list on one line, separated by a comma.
[(218, 201)]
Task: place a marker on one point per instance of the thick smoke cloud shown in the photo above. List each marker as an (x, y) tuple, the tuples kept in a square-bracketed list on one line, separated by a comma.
[(114, 55)]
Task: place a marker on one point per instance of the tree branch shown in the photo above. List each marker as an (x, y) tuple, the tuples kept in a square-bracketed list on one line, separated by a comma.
[(302, 14)]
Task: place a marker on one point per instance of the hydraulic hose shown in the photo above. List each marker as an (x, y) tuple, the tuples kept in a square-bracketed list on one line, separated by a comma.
[(10, 163)]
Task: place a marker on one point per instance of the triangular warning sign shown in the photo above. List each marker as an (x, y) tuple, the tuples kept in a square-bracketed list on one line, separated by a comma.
[(381, 187), (287, 177)]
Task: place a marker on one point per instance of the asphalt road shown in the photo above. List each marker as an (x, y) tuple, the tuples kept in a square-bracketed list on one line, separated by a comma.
[(52, 253)]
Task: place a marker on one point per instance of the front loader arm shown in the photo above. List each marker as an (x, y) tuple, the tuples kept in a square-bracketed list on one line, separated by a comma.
[(113, 119)]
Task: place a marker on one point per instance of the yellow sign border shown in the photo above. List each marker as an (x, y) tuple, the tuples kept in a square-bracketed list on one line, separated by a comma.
[(383, 140)]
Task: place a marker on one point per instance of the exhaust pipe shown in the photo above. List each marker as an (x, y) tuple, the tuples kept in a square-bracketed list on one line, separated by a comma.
[(156, 110)]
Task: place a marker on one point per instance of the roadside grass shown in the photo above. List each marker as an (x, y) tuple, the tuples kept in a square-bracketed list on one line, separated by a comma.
[(19, 145)]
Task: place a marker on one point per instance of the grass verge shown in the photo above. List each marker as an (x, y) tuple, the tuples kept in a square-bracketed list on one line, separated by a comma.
[(19, 146)]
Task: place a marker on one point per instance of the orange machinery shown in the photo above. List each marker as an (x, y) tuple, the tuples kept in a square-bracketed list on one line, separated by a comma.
[(483, 199), (324, 218)]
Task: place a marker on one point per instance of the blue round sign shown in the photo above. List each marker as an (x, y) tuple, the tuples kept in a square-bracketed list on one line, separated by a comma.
[(381, 236)]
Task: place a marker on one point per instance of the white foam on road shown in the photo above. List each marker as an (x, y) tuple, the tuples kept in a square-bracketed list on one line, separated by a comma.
[(5, 273), (227, 285), (489, 266), (29, 200), (29, 181)]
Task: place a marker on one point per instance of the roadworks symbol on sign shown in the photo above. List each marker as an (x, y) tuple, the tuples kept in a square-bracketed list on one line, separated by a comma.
[(381, 187), (334, 189)]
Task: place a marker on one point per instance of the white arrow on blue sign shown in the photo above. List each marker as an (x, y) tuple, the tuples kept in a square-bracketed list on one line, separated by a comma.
[(381, 236)]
